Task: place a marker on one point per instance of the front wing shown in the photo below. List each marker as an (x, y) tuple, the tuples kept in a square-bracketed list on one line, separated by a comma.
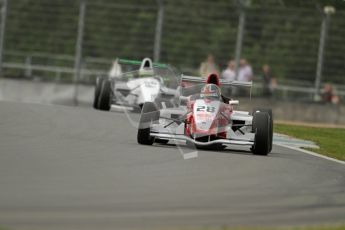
[(183, 137), (176, 133)]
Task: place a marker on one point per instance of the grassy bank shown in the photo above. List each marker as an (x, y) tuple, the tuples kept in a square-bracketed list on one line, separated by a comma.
[(342, 227), (330, 140), (321, 227)]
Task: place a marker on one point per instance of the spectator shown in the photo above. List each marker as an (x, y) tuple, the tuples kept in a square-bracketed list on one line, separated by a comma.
[(208, 66), (229, 73), (245, 72), (267, 80), (329, 95), (115, 70)]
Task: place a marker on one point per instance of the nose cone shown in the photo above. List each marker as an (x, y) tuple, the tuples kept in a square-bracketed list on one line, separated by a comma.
[(150, 89), (205, 114)]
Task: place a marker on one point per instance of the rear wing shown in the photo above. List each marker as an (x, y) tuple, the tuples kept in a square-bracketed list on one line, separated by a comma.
[(222, 81), (139, 63)]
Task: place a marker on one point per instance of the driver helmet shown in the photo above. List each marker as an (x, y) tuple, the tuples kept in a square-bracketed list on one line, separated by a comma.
[(213, 78), (210, 91), (146, 68)]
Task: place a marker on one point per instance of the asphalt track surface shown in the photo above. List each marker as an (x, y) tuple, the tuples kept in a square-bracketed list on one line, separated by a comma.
[(77, 168)]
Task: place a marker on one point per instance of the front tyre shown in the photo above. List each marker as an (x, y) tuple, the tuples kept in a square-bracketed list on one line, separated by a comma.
[(261, 128), (269, 111), (98, 88), (149, 115), (105, 97)]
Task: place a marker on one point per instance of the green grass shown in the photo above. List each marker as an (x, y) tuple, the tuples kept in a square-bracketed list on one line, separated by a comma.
[(294, 228), (341, 227), (330, 140), (321, 227)]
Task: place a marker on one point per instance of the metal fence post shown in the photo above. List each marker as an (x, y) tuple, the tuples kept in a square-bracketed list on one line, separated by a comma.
[(240, 31), (28, 63), (159, 30), (79, 49), (328, 10), (2, 31)]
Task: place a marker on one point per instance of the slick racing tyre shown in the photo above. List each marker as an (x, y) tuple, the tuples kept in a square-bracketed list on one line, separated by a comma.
[(98, 88), (149, 115), (269, 111), (105, 96), (261, 128)]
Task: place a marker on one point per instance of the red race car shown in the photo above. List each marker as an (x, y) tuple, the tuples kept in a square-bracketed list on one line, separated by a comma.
[(207, 119)]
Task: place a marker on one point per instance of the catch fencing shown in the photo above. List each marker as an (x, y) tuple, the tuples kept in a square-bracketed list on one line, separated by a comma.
[(77, 40)]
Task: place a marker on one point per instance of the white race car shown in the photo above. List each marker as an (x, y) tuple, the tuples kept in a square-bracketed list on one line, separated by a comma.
[(208, 119), (142, 82)]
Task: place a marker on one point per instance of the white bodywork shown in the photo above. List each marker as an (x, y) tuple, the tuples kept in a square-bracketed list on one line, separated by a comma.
[(167, 130), (146, 88), (139, 91), (171, 124)]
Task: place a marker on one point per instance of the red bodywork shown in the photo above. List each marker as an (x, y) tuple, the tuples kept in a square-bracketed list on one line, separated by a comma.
[(218, 128)]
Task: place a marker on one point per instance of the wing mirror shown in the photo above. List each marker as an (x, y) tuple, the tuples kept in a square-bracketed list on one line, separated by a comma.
[(234, 102)]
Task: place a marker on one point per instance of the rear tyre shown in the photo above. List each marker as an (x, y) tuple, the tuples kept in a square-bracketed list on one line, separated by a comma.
[(105, 97), (269, 111), (261, 128), (149, 115), (98, 88)]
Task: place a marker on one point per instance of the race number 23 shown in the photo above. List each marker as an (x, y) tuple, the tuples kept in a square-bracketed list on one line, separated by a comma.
[(203, 108)]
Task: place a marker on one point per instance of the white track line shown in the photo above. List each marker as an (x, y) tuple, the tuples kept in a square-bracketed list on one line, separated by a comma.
[(312, 153)]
